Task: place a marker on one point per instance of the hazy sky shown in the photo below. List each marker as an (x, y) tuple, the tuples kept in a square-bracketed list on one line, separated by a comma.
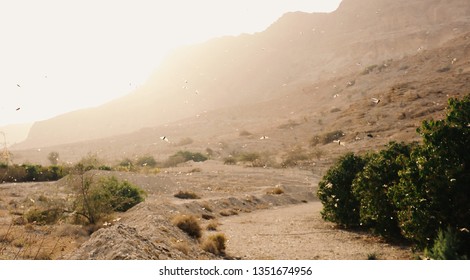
[(61, 55)]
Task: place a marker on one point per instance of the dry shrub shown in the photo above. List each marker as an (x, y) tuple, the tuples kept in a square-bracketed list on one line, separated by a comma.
[(43, 217), (188, 224), (230, 161), (228, 212), (205, 205), (276, 190), (212, 226), (186, 195), (207, 216), (215, 244)]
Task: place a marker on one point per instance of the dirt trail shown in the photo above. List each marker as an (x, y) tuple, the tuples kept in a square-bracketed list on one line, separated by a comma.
[(298, 232)]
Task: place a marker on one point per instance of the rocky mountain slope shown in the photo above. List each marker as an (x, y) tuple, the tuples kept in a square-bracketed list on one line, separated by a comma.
[(297, 50)]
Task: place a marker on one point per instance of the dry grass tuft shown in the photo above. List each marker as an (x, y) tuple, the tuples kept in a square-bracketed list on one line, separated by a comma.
[(275, 191), (188, 224), (215, 244), (228, 212), (186, 195), (212, 226)]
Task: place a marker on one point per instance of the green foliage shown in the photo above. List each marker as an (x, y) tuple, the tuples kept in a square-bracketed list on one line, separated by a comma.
[(184, 156), (126, 164), (121, 195), (446, 246), (89, 162), (434, 188), (335, 191), (411, 191), (95, 200), (32, 173), (371, 187), (43, 217)]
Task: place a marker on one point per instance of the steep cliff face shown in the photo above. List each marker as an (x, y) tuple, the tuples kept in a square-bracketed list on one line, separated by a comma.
[(298, 48)]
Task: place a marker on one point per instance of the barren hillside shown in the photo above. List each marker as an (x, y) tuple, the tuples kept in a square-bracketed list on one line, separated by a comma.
[(299, 48), (366, 74)]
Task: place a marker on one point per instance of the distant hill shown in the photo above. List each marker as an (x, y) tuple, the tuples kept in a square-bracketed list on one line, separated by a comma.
[(297, 51), (14, 133)]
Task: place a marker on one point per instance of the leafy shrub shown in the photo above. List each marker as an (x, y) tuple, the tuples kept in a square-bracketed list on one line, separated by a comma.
[(215, 244), (43, 217), (122, 195), (446, 246), (335, 191), (105, 168), (433, 188), (184, 156), (188, 224), (424, 187), (127, 163), (89, 162), (146, 161), (32, 172), (371, 187), (96, 200)]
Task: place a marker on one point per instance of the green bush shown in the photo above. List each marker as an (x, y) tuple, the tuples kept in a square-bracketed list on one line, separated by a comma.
[(95, 200), (409, 190), (184, 156), (371, 187), (43, 217), (446, 246), (32, 173), (335, 191)]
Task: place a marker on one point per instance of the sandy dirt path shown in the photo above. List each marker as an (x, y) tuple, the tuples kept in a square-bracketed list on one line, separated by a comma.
[(298, 232)]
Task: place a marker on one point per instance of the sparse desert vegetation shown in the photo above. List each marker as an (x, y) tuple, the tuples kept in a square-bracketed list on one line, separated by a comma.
[(189, 224), (291, 147)]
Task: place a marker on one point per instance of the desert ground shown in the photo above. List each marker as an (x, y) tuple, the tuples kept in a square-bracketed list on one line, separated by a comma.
[(257, 222)]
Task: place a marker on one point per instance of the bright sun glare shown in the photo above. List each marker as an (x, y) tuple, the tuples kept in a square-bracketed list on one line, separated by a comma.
[(57, 55)]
